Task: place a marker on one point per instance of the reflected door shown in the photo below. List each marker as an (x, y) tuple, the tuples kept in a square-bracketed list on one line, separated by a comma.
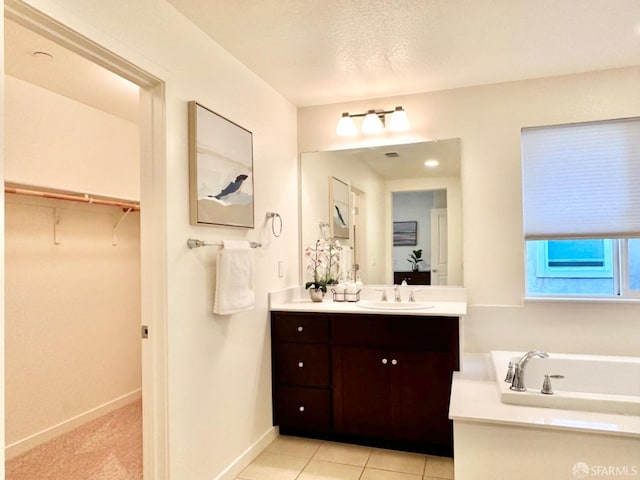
[(439, 268)]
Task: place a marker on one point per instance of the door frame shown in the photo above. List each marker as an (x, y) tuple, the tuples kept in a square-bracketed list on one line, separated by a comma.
[(439, 236), (152, 226)]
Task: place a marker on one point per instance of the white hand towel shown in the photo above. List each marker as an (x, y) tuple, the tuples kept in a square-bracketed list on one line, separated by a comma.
[(234, 279)]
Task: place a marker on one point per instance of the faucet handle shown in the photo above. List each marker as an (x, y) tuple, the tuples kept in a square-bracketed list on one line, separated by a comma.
[(383, 298), (509, 377), (546, 385), (412, 297)]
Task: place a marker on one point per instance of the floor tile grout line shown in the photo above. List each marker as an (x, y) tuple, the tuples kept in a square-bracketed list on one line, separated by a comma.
[(364, 467)]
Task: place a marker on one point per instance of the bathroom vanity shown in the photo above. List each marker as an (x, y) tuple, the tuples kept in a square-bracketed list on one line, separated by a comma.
[(365, 376)]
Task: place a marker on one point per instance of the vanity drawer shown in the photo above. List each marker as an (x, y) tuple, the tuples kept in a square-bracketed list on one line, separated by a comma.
[(438, 334), (302, 408), (300, 327), (301, 364)]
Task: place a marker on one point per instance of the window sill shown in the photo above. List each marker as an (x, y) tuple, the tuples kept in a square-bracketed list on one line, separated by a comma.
[(616, 300)]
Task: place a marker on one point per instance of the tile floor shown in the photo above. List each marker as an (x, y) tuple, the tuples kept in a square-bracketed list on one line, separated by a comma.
[(294, 458)]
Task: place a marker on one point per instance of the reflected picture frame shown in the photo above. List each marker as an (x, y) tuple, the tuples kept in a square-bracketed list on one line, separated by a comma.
[(339, 195), (221, 182), (405, 234)]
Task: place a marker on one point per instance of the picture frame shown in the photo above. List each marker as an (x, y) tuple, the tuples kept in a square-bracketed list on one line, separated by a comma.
[(339, 208), (405, 234), (220, 170)]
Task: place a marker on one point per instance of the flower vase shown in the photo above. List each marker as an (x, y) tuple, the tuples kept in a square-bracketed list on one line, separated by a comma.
[(316, 294), (415, 268)]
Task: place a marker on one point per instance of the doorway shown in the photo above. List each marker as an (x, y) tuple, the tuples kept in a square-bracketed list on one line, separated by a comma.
[(151, 154), (419, 253)]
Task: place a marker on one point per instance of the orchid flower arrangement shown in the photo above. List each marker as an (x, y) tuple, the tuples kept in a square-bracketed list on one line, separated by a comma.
[(323, 264)]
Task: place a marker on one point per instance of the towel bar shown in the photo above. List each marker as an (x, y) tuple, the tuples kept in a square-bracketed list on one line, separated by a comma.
[(195, 243)]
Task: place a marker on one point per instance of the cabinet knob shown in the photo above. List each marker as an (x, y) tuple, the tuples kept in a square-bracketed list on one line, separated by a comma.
[(301, 364), (385, 361), (301, 408), (394, 362), (300, 329)]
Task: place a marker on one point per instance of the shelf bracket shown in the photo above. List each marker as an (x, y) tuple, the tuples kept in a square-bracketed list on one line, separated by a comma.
[(114, 230), (57, 219)]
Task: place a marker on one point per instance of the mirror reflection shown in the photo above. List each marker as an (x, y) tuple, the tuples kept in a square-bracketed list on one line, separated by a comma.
[(404, 210)]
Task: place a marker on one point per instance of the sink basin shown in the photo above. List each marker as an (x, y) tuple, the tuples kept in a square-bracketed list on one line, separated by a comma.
[(395, 305)]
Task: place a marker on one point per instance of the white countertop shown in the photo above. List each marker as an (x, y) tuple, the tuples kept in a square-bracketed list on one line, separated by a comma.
[(442, 301), (475, 398)]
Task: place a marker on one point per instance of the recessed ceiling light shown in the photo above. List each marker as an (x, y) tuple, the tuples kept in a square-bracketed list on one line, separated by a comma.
[(431, 163), (43, 55)]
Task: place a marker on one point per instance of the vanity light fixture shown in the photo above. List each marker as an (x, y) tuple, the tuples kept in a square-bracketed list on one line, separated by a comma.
[(373, 122), (346, 127)]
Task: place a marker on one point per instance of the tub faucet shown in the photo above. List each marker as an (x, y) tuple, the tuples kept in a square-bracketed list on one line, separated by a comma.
[(517, 384)]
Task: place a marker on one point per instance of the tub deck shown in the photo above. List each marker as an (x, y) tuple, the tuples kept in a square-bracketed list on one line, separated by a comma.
[(499, 441)]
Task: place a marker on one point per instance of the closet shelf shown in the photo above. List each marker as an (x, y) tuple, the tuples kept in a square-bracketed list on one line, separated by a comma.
[(81, 198)]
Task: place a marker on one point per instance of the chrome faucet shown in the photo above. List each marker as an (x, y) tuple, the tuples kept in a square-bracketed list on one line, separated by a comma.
[(517, 384), (397, 297)]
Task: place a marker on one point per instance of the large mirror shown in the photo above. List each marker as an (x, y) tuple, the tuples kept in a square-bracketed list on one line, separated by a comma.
[(405, 217)]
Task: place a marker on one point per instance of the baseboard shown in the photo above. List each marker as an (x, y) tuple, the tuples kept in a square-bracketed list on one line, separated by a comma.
[(248, 455), (39, 438)]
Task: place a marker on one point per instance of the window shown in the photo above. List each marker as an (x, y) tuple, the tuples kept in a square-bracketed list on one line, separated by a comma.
[(581, 199)]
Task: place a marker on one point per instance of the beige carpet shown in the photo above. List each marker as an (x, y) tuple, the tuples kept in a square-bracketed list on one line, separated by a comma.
[(108, 448)]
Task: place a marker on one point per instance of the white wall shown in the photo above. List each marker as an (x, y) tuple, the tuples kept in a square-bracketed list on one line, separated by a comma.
[(53, 141), (488, 120), (219, 376)]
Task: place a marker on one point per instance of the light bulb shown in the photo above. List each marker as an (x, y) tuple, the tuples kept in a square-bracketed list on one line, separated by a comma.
[(346, 127), (371, 123), (399, 121)]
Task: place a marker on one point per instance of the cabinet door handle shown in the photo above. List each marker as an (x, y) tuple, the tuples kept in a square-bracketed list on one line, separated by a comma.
[(300, 329), (394, 362), (384, 361), (301, 408), (300, 364)]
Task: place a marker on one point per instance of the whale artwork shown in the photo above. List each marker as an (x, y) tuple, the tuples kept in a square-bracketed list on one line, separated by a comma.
[(339, 200), (221, 170)]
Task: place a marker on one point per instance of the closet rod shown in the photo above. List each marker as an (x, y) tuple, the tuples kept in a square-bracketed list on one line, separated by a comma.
[(72, 198)]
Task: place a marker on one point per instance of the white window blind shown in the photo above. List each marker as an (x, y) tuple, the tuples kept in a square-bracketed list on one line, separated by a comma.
[(582, 180)]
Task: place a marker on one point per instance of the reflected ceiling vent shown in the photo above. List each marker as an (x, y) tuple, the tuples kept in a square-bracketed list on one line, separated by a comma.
[(391, 155)]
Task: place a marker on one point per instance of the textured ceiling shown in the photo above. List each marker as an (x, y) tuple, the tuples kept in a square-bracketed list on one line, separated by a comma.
[(326, 51)]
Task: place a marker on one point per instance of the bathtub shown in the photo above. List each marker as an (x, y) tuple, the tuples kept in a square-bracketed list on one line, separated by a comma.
[(592, 383)]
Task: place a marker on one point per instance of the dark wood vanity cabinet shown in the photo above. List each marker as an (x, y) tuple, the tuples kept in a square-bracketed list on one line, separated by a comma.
[(412, 278), (386, 379)]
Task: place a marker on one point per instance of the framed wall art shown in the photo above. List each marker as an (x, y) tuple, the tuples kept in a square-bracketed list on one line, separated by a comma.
[(220, 170), (405, 234), (339, 208)]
